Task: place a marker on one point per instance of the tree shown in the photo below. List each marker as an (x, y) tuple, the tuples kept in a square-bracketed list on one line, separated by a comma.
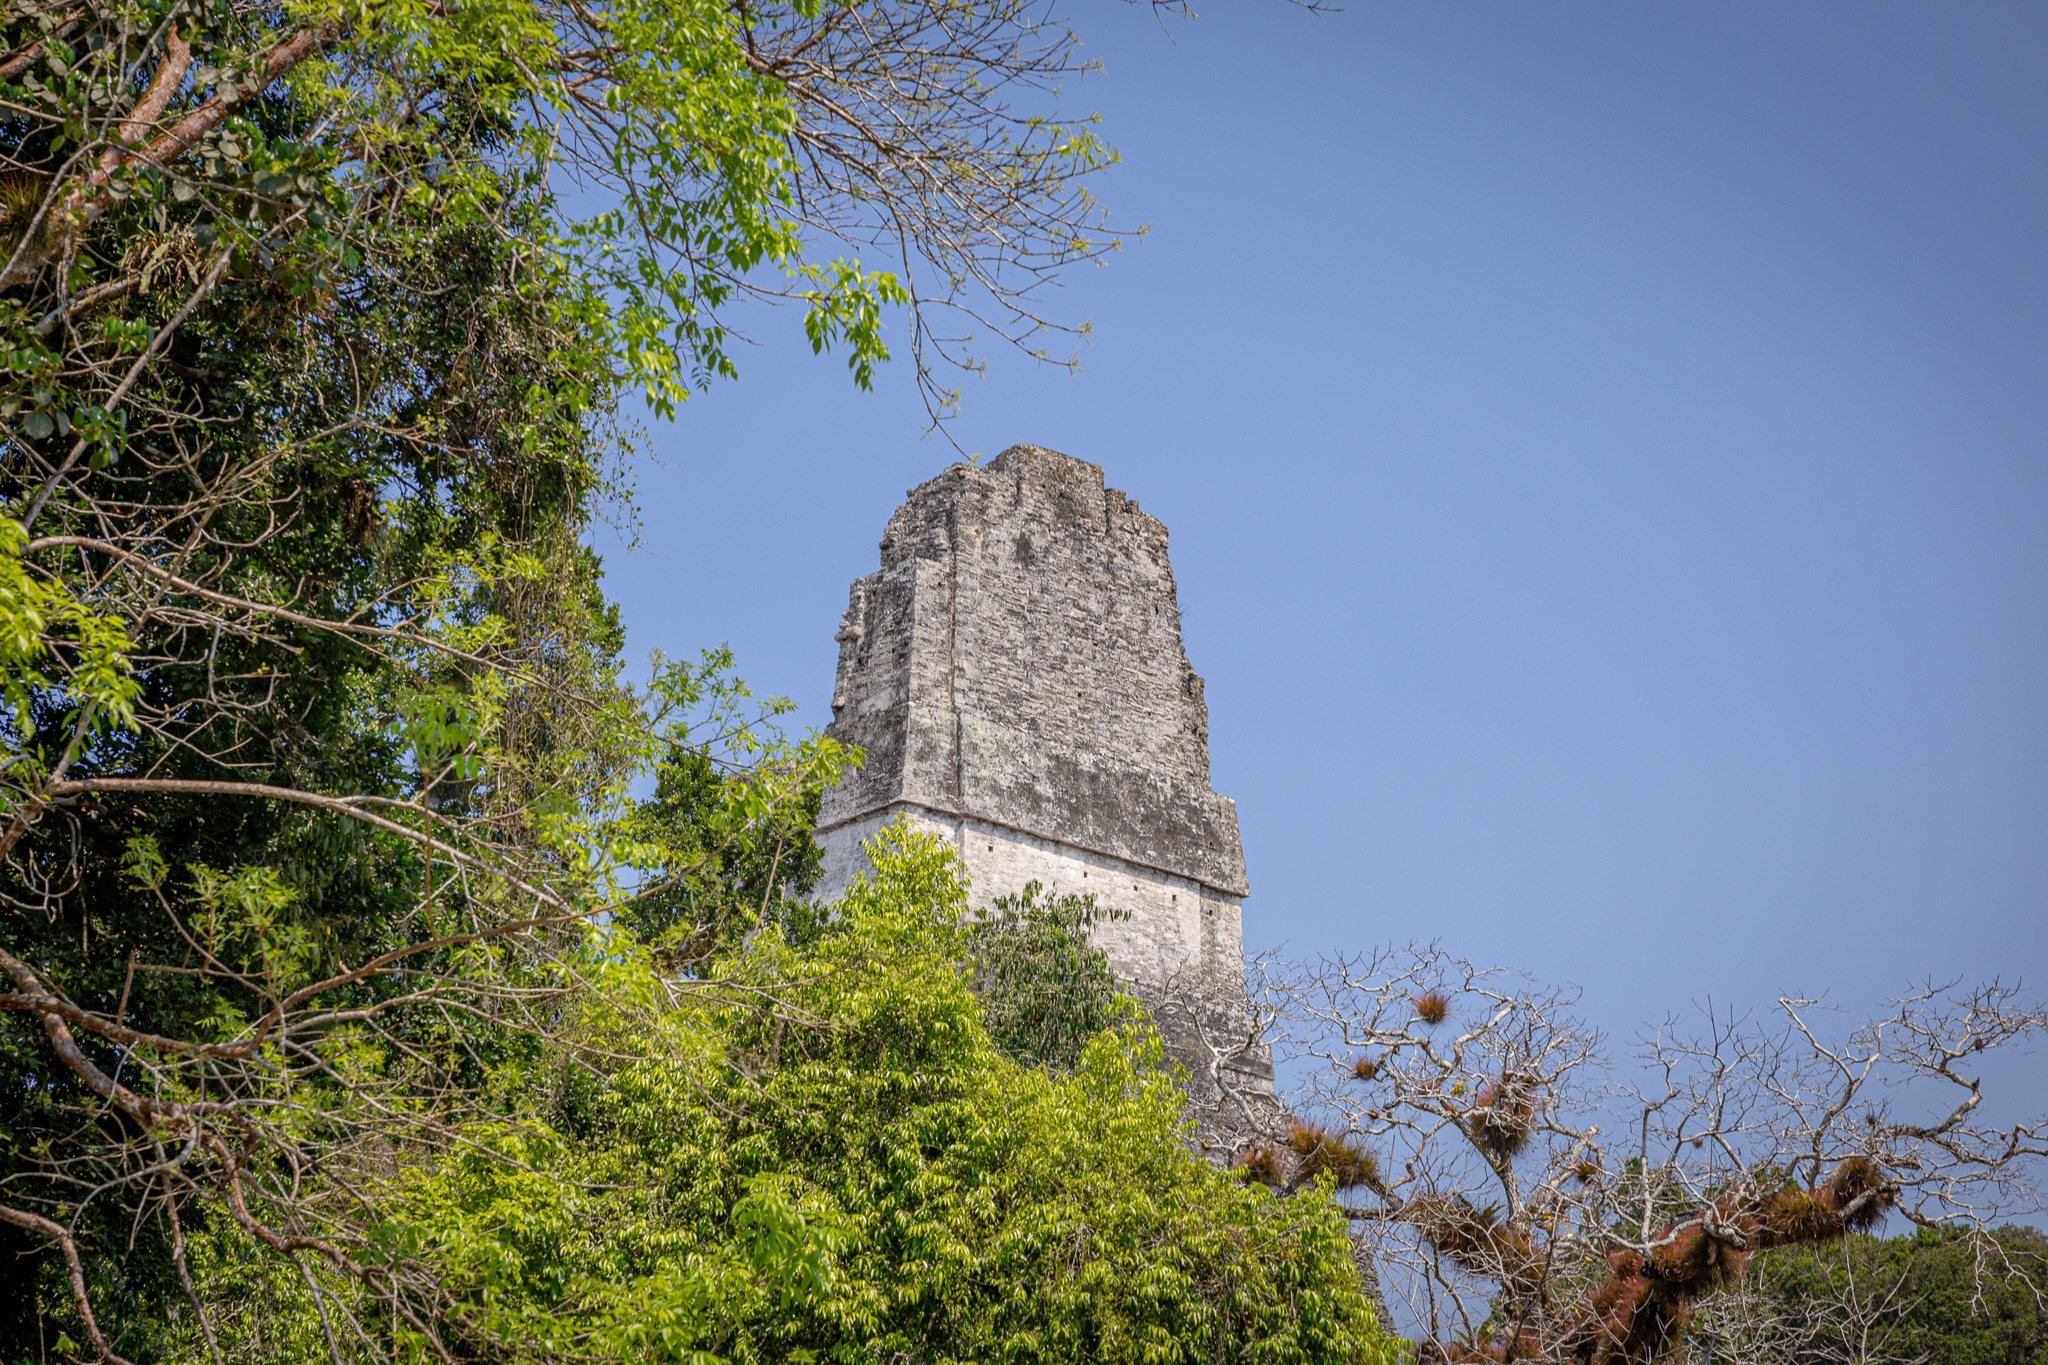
[(344, 667), (1045, 990), (158, 147), (318, 760), (721, 883), (1531, 1201), (814, 1151)]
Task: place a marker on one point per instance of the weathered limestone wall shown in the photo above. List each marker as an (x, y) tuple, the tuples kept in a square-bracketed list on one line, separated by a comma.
[(1014, 672), (1018, 658)]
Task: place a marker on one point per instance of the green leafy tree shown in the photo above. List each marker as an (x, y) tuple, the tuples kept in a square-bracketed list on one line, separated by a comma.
[(362, 664), (317, 764), (723, 879), (156, 149), (816, 1152), (1046, 991)]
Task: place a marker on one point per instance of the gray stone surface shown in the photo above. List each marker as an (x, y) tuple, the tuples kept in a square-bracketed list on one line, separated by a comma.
[(1014, 672), (1018, 658)]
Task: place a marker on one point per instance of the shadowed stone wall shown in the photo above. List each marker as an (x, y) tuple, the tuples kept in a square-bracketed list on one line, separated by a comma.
[(1014, 672)]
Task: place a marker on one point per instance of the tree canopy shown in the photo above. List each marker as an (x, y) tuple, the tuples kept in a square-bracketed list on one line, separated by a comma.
[(1046, 989), (387, 977), (811, 1151)]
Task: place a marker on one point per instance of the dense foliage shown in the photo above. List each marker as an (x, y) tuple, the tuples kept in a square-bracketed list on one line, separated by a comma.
[(1046, 990), (366, 461), (841, 1168), (1924, 1296), (317, 765), (715, 887)]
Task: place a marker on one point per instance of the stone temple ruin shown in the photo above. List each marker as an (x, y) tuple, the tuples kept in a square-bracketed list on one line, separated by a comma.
[(1014, 672)]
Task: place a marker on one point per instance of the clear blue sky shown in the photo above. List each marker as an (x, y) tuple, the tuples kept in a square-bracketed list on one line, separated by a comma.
[(1606, 453)]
